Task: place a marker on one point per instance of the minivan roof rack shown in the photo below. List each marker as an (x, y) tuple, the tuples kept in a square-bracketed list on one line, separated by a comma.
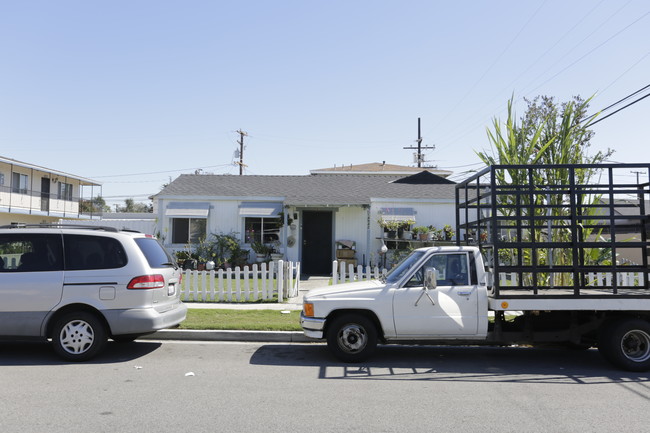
[(59, 226)]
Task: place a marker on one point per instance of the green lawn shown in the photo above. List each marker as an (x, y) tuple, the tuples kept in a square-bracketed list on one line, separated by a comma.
[(247, 320)]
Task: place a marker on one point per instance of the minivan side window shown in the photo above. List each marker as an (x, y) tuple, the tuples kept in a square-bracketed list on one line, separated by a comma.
[(92, 252), (30, 253)]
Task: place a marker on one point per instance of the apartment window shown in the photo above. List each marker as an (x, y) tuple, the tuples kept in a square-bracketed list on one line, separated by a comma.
[(188, 230), (20, 183), (263, 230), (65, 191)]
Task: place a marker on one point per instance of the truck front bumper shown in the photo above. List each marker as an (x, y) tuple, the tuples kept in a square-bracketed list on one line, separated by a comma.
[(312, 327)]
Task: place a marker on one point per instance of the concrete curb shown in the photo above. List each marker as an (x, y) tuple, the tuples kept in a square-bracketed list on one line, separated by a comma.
[(210, 335)]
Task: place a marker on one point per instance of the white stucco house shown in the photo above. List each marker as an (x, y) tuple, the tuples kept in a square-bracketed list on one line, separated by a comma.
[(32, 194), (305, 215)]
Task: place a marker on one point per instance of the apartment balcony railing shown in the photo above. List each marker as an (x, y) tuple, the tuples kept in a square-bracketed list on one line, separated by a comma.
[(26, 201)]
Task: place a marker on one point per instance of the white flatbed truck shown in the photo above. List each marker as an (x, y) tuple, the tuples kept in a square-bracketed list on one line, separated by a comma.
[(551, 254)]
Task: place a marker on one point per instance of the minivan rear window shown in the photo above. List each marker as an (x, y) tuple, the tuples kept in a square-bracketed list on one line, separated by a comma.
[(156, 255)]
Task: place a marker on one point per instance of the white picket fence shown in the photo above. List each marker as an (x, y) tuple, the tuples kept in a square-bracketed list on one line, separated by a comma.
[(346, 274), (247, 284), (594, 279)]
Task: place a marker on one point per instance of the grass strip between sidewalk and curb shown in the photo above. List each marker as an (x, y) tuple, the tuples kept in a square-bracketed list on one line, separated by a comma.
[(242, 320)]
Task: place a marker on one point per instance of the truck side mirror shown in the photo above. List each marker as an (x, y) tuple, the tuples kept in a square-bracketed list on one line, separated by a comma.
[(430, 278)]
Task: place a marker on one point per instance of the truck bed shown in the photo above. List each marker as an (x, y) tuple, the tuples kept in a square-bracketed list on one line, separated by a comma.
[(551, 244)]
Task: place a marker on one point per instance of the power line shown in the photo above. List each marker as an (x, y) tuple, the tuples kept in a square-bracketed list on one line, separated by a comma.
[(160, 172), (622, 108), (498, 58), (591, 51), (627, 97)]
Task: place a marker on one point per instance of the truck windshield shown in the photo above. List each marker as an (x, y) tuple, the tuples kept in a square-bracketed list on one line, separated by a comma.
[(402, 267)]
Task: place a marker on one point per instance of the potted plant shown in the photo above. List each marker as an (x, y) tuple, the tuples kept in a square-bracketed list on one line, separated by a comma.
[(448, 232), (390, 227), (181, 257), (261, 250), (434, 233), (421, 232), (276, 253), (406, 229)]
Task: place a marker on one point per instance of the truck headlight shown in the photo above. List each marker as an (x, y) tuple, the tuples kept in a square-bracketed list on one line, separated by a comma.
[(308, 309)]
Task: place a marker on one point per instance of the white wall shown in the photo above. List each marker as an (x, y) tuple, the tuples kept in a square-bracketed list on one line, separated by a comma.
[(349, 223)]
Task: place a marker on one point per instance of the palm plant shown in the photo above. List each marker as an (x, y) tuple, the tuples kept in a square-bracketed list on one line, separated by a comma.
[(548, 134)]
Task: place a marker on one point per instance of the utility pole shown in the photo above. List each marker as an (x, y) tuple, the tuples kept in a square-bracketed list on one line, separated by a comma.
[(420, 157), (637, 175), (242, 134)]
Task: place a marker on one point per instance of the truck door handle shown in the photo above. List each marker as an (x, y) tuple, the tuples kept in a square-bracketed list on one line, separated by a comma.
[(464, 293)]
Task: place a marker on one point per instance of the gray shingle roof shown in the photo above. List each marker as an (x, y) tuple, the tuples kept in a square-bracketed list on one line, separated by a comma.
[(338, 189)]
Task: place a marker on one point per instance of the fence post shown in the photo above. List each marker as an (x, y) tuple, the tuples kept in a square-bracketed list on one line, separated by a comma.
[(247, 291), (211, 286), (335, 276), (256, 289), (280, 282), (185, 285), (237, 278), (221, 292), (297, 278), (204, 283), (229, 288), (265, 278)]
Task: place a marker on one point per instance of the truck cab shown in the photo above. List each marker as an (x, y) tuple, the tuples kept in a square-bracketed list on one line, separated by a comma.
[(436, 293)]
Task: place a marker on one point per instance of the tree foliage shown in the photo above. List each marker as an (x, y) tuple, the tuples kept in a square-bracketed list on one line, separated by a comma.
[(547, 134), (131, 206), (96, 205)]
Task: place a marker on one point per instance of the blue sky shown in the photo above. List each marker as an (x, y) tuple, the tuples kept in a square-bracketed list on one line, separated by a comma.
[(133, 93)]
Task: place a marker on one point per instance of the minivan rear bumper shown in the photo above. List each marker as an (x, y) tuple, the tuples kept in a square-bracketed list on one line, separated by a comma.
[(144, 320)]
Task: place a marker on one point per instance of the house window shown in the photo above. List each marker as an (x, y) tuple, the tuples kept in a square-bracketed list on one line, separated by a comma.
[(20, 183), (188, 230), (65, 191), (2, 179), (263, 230)]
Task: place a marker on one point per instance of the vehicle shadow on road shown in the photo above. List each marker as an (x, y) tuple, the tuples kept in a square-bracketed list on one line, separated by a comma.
[(455, 363), (41, 353)]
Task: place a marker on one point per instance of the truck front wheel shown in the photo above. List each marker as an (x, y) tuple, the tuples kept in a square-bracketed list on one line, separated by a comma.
[(352, 337), (626, 344)]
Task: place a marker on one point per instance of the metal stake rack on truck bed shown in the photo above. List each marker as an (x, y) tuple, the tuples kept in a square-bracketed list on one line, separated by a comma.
[(560, 231)]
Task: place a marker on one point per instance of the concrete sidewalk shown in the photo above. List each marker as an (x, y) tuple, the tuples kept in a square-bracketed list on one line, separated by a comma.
[(292, 304)]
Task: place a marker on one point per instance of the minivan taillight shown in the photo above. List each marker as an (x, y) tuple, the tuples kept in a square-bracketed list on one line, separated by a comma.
[(147, 282)]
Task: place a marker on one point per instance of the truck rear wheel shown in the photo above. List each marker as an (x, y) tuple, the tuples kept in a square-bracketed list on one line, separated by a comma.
[(626, 344), (352, 337)]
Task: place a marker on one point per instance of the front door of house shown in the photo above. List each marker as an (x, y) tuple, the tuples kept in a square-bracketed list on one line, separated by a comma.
[(316, 243)]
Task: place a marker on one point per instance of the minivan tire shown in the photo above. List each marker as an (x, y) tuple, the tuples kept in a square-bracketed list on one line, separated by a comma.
[(78, 336)]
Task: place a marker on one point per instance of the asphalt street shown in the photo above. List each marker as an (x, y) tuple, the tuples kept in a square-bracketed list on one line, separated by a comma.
[(284, 387)]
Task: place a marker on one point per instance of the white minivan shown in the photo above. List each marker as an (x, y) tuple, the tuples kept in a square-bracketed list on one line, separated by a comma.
[(79, 286)]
